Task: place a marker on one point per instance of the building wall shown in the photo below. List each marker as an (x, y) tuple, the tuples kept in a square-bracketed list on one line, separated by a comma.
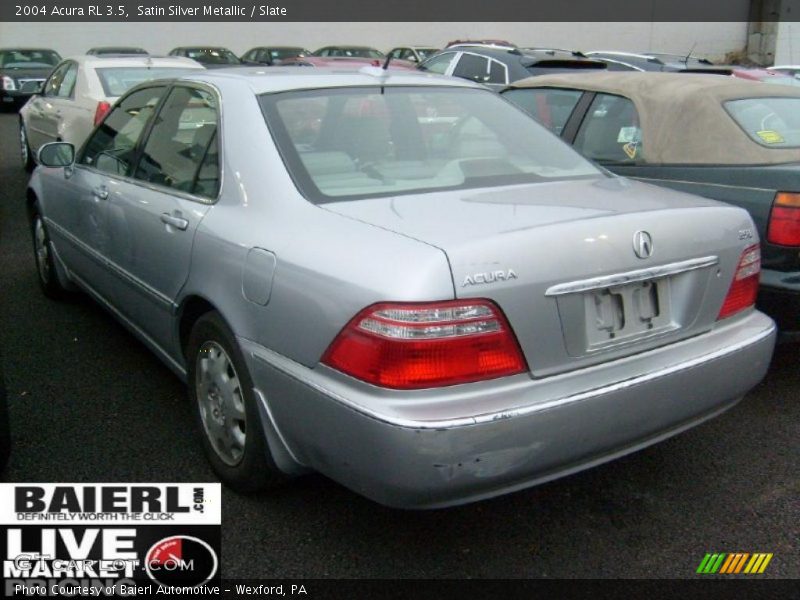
[(787, 47), (713, 40)]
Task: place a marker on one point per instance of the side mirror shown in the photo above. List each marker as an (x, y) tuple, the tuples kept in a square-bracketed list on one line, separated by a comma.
[(57, 154), (412, 58), (32, 87)]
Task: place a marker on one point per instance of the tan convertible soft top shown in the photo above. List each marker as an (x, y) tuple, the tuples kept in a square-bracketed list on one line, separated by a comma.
[(682, 116)]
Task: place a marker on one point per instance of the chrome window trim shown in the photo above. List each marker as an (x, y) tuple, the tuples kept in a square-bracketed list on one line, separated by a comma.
[(606, 281)]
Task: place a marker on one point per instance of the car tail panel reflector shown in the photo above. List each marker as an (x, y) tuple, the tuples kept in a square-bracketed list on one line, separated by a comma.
[(784, 220), (424, 345), (744, 288)]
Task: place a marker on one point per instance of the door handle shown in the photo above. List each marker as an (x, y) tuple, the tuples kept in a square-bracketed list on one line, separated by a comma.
[(176, 222), (100, 192)]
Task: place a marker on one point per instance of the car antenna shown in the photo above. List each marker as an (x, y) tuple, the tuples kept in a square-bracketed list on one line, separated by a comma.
[(688, 56)]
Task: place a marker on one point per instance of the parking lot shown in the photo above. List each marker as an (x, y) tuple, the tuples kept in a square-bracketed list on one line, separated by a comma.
[(89, 403)]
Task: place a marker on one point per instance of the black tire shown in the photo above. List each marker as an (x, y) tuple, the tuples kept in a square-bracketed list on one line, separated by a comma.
[(43, 259), (26, 154), (247, 466)]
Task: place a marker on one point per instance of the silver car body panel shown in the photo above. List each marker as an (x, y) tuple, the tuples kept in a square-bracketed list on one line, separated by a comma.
[(583, 401)]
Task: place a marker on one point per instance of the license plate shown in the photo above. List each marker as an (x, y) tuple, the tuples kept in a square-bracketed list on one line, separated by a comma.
[(626, 313)]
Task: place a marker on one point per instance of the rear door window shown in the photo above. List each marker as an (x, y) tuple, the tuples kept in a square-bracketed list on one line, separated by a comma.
[(610, 131), (182, 138), (552, 107), (770, 122)]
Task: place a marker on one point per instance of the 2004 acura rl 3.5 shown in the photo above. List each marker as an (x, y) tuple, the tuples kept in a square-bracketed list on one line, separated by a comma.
[(399, 280)]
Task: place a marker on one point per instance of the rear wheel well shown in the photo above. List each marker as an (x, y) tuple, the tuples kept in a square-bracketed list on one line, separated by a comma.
[(194, 307)]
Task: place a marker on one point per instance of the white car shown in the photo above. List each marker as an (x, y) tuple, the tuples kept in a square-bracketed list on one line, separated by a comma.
[(79, 93), (792, 70)]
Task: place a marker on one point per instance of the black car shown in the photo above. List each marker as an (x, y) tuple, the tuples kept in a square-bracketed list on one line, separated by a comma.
[(211, 57), (22, 70), (652, 61), (272, 55), (497, 67), (120, 50)]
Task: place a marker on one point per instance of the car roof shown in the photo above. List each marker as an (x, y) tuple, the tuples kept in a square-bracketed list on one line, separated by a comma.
[(276, 79), (134, 60), (663, 101)]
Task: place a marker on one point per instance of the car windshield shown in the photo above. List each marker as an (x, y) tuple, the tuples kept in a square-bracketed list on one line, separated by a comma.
[(283, 53), (771, 122), (351, 143), (118, 80), (28, 59), (213, 56), (361, 53)]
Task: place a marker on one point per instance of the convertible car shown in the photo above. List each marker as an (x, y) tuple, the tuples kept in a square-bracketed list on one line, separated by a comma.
[(399, 280), (723, 138)]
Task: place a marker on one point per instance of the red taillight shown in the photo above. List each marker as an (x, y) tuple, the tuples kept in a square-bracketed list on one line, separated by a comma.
[(743, 290), (422, 345), (784, 221), (101, 111)]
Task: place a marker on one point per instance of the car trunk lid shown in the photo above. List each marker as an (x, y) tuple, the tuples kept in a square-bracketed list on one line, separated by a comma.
[(560, 259)]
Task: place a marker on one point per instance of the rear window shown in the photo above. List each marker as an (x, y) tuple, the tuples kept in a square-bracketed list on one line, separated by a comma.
[(28, 59), (118, 80), (770, 122), (213, 56), (351, 143)]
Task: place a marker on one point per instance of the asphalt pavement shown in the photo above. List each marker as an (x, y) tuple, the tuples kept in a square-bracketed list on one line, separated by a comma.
[(89, 403)]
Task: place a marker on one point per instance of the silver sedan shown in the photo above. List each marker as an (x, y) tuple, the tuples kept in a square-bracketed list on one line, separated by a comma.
[(398, 280)]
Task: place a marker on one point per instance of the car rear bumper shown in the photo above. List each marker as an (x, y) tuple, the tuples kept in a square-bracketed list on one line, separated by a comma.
[(417, 451)]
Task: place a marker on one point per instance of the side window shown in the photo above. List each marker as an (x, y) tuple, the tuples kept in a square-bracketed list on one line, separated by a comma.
[(396, 53), (472, 67), (264, 56), (53, 83), (438, 64), (250, 55), (68, 82), (497, 72), (610, 130), (552, 107), (112, 146), (182, 140)]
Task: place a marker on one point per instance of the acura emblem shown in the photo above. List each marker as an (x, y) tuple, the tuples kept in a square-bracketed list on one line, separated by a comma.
[(642, 244)]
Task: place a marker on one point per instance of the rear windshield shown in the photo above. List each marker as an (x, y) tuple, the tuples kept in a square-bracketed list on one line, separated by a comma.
[(351, 143), (118, 80), (28, 59), (770, 122), (282, 53), (213, 56)]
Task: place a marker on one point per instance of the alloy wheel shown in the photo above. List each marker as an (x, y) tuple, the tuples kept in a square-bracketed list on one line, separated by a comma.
[(221, 402)]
